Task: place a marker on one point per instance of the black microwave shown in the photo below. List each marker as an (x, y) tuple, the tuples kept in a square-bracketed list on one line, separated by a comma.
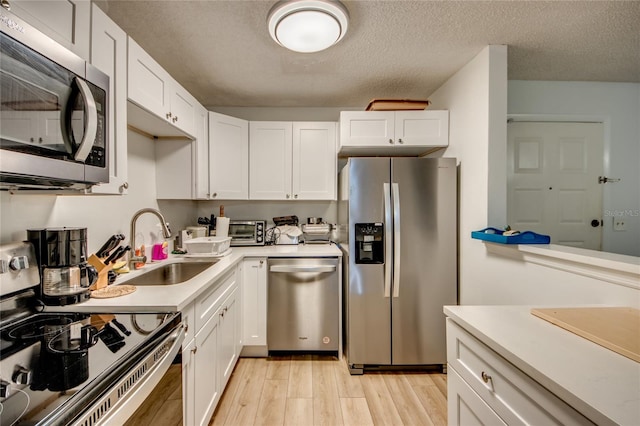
[(54, 109), (247, 232)]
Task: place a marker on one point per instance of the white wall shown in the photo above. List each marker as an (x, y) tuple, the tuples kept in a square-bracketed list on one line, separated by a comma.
[(619, 105), (477, 103), (102, 215)]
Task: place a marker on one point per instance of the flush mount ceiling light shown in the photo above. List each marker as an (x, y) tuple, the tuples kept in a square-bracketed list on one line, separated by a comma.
[(308, 25)]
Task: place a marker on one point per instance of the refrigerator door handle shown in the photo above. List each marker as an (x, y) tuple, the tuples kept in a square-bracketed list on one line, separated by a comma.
[(396, 239), (388, 248)]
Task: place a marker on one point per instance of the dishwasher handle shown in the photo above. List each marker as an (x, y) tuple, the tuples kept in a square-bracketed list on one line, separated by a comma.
[(302, 268)]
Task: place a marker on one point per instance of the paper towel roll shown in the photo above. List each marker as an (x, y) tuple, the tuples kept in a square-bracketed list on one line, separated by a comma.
[(222, 227)]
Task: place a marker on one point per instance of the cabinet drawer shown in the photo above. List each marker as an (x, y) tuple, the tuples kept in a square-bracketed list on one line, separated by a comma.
[(513, 395), (465, 407), (209, 301)]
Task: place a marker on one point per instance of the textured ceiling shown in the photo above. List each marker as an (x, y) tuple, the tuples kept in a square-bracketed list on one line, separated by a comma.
[(222, 53)]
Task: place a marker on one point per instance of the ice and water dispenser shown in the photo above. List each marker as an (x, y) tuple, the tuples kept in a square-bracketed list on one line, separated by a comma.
[(369, 243)]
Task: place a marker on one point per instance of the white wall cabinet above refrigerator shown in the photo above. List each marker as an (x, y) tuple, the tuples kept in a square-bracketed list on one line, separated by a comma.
[(392, 132), (292, 160), (153, 90), (228, 158), (66, 21)]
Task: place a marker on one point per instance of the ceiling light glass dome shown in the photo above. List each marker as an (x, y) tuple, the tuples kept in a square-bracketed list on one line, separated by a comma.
[(308, 25)]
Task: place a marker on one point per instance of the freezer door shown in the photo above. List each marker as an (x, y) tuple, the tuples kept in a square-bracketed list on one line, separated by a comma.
[(425, 274), (368, 309)]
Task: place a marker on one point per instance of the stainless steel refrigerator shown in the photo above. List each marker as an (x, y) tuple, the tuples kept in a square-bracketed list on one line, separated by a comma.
[(400, 263)]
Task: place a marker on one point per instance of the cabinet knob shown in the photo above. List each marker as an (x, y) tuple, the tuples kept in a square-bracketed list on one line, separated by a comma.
[(295, 196), (32, 140), (186, 328), (175, 119), (391, 141), (215, 194), (5, 4), (288, 196), (125, 185), (261, 262), (194, 350), (168, 115), (485, 377), (400, 141)]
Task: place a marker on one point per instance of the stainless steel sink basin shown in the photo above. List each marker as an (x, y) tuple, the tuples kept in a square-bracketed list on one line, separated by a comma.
[(171, 273)]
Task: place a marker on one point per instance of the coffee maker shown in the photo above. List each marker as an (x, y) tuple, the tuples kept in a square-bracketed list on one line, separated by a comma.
[(65, 275)]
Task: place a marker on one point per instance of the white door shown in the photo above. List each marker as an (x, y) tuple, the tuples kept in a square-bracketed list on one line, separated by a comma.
[(228, 157), (552, 181), (367, 128), (270, 160), (314, 161)]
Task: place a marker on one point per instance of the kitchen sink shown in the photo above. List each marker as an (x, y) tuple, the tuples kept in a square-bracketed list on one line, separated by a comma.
[(171, 273)]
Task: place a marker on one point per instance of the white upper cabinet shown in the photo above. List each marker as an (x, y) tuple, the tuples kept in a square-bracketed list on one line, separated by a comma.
[(151, 88), (270, 144), (393, 132), (228, 157), (68, 22), (201, 154), (314, 161), (292, 161), (109, 54)]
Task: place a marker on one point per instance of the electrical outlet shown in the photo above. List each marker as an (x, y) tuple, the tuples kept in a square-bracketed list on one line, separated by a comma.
[(618, 224)]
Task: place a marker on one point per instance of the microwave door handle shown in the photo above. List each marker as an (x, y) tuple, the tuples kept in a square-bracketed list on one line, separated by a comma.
[(91, 121)]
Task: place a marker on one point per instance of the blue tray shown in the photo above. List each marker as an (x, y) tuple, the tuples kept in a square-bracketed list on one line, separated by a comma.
[(495, 236)]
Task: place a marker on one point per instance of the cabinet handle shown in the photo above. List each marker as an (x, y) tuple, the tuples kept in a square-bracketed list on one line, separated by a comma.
[(391, 141), (400, 141), (485, 377)]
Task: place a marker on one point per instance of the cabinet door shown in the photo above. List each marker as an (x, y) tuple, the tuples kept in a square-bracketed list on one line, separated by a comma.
[(200, 155), (254, 302), (149, 83), (182, 108), (66, 21), (174, 173), (422, 128), (270, 160), (228, 157), (314, 161), (465, 407), (367, 128), (188, 382), (207, 382), (109, 54), (227, 347)]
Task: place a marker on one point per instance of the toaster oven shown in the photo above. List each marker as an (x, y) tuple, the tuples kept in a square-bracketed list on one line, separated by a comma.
[(247, 232)]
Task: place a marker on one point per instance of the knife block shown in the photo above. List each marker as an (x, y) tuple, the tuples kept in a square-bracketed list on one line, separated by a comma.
[(103, 272)]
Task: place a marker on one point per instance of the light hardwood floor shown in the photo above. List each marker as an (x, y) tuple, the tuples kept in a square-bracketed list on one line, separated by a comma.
[(313, 390)]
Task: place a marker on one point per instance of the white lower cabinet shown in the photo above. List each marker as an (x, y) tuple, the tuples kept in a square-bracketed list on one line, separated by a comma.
[(254, 302), (211, 349), (484, 388)]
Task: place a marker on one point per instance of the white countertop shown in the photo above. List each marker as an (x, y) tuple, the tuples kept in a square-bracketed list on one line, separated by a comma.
[(599, 383), (176, 297)]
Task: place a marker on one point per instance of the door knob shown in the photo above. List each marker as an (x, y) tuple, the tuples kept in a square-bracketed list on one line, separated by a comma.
[(595, 223)]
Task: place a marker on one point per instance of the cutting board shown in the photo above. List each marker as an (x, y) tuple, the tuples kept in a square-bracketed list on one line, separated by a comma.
[(617, 329)]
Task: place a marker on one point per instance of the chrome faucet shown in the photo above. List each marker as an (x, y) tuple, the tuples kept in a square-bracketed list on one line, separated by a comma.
[(133, 258)]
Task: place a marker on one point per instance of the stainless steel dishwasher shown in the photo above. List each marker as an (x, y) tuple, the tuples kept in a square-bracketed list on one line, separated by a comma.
[(303, 304)]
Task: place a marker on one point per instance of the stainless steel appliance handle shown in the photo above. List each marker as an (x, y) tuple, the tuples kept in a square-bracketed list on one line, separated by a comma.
[(292, 268), (388, 248), (396, 239), (90, 124)]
